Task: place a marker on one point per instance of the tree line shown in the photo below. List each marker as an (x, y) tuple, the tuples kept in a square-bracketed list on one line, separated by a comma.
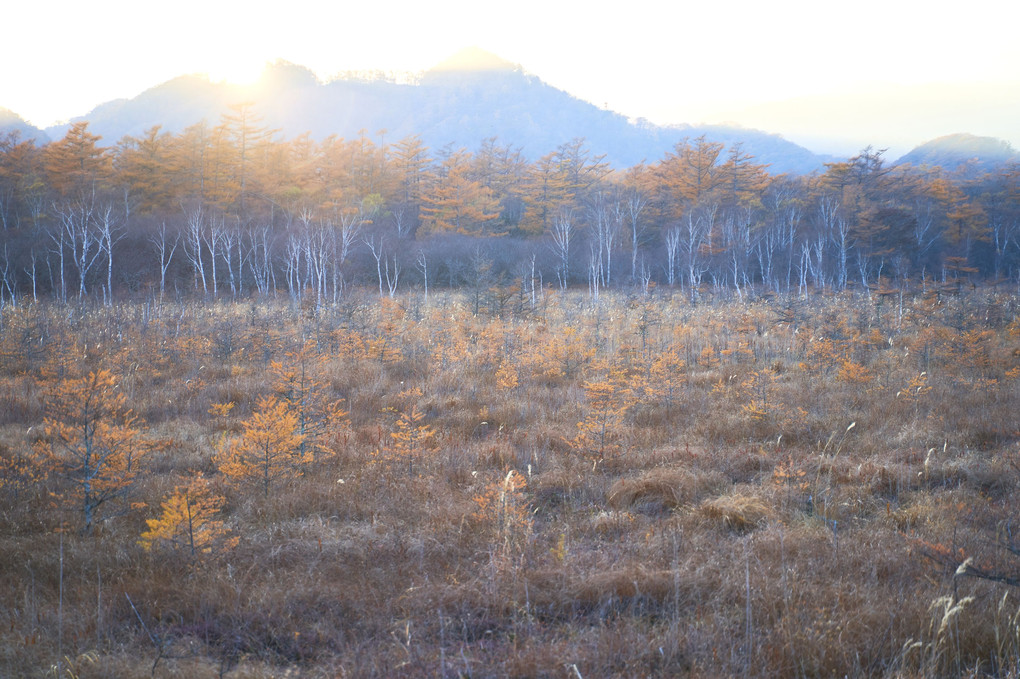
[(234, 209)]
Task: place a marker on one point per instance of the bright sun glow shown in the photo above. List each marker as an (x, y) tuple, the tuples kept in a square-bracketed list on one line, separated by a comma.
[(240, 71), (679, 63)]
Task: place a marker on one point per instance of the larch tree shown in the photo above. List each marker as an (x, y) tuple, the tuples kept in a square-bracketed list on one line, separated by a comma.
[(191, 154), (296, 185), (189, 521), (223, 174), (242, 127), (930, 202), (1001, 203), (547, 195), (21, 181), (366, 161), (300, 382), (268, 450), (503, 506), (667, 378), (76, 164), (503, 170), (601, 430), (271, 176), (459, 203), (409, 160), (145, 169), (584, 172), (91, 441), (411, 438), (741, 181), (333, 173), (688, 175), (967, 226), (77, 170)]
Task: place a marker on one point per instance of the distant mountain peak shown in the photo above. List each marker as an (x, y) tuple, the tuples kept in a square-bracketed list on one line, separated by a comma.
[(969, 153), (283, 72), (970, 143), (473, 60), (12, 122), (472, 96)]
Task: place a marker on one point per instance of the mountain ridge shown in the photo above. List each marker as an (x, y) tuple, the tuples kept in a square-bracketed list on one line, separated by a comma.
[(11, 122), (963, 153), (472, 96), (462, 101)]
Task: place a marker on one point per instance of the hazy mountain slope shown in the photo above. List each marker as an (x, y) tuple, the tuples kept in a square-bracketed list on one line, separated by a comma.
[(173, 105), (12, 122), (471, 97), (967, 153)]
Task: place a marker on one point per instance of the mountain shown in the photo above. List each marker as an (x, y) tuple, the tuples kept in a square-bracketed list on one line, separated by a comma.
[(460, 102), (891, 115), (473, 59), (12, 122), (968, 154)]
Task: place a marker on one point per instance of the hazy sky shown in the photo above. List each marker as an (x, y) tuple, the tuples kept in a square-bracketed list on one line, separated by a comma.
[(884, 72)]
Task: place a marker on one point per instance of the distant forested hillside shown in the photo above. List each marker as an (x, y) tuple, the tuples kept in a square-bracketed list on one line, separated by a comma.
[(12, 123), (967, 154), (232, 209)]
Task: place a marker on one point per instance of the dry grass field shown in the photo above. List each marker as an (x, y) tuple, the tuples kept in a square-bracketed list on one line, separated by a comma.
[(636, 487)]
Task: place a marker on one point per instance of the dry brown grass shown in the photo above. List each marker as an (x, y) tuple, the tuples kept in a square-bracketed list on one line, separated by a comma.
[(739, 513), (719, 542), (661, 489)]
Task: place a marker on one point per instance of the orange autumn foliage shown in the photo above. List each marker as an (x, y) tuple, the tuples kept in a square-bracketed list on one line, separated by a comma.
[(92, 441), (189, 521), (269, 448)]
